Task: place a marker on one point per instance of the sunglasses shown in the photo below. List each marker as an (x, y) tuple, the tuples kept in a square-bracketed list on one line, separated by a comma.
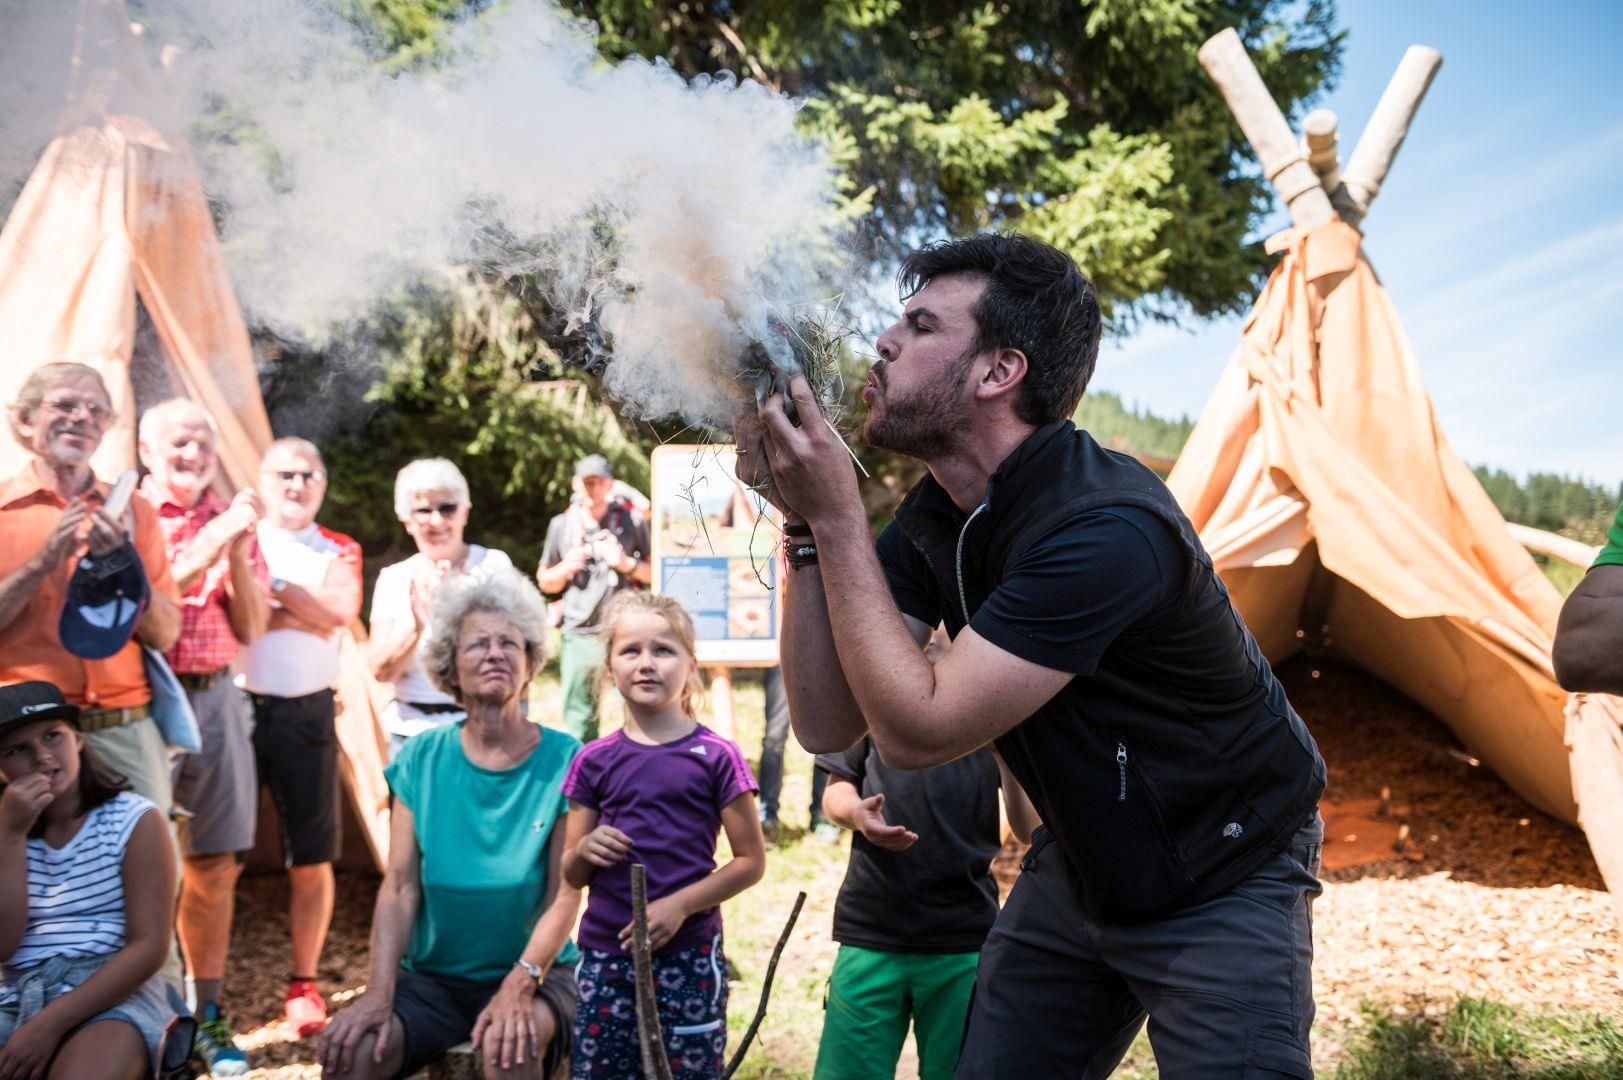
[(312, 476), (444, 510), (68, 408)]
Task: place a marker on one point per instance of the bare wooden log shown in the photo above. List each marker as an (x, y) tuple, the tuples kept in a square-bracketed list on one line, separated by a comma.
[(1321, 147), (1225, 60), (766, 990), (650, 1040), (1384, 134), (1574, 552)]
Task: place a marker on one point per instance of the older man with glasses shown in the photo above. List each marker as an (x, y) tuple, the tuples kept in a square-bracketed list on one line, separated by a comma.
[(431, 501), (50, 516), (315, 586)]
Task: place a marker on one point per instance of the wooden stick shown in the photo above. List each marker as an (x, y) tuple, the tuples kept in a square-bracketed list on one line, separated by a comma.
[(1383, 136), (1225, 60), (650, 1040), (766, 990)]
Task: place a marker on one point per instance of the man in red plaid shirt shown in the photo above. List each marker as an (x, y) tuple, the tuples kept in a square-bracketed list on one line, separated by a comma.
[(222, 582)]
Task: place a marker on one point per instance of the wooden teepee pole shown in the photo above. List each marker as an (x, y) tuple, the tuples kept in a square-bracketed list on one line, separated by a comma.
[(650, 1040), (1225, 60), (1383, 136)]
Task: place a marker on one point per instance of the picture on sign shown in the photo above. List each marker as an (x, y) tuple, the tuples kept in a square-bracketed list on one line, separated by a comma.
[(715, 551)]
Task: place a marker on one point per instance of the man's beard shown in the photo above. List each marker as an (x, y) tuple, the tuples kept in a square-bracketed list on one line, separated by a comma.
[(930, 424)]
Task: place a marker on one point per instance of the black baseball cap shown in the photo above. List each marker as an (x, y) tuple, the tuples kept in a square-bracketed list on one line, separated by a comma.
[(106, 596), (30, 702)]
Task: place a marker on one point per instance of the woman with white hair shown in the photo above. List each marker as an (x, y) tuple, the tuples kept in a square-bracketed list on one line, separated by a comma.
[(431, 500), (470, 935)]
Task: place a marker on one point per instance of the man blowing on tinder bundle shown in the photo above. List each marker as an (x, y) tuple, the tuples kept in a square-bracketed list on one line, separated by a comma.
[(1094, 645)]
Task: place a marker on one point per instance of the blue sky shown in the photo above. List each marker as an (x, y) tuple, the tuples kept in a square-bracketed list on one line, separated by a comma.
[(1498, 233)]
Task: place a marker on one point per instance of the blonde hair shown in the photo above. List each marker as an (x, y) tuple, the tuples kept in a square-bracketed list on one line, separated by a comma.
[(41, 379), (631, 602)]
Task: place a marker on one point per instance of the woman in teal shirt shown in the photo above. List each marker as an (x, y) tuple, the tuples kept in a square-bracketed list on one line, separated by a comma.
[(470, 938)]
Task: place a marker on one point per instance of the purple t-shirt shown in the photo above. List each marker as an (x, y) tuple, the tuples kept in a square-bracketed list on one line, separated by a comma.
[(668, 799)]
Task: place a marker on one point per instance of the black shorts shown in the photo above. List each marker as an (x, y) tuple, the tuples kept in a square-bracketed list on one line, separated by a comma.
[(438, 1013), (296, 748)]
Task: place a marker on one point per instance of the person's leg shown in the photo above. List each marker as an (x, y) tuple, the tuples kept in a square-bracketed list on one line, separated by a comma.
[(606, 1018), (940, 987), (773, 739), (1045, 1002), (579, 657), (106, 1049), (530, 1068), (1229, 983), (311, 892), (864, 1016), (690, 988), (207, 904)]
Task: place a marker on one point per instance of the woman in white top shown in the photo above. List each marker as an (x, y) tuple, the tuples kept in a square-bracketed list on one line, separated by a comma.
[(87, 897), (431, 500)]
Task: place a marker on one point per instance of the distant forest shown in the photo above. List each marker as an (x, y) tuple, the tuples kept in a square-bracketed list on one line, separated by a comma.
[(1567, 505)]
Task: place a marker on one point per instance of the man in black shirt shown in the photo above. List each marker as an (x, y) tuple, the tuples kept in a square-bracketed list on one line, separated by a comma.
[(917, 901), (1094, 643)]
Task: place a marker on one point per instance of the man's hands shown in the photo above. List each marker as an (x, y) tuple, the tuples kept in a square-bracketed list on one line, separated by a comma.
[(869, 819), (604, 846), (506, 1030), (804, 471), (22, 802), (238, 520), (371, 1012)]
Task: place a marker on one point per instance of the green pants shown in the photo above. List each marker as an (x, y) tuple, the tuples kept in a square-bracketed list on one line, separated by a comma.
[(580, 656), (873, 995)]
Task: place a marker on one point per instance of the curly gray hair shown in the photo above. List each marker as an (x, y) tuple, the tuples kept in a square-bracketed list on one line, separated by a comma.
[(506, 593)]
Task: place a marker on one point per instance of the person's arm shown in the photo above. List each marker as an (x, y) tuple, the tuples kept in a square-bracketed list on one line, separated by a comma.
[(393, 916), (845, 806), (336, 602), (148, 873), (21, 804), (667, 914), (589, 846), (511, 1012), (558, 566), (1588, 652), (245, 602), (920, 715), (159, 625), (21, 584), (396, 626), (1017, 807)]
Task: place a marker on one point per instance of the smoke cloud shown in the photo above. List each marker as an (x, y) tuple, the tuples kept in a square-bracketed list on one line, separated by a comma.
[(682, 217)]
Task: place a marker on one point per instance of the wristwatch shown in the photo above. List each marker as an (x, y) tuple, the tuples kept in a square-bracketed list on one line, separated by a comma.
[(532, 970)]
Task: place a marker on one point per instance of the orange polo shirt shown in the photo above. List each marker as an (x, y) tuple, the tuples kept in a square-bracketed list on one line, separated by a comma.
[(30, 647)]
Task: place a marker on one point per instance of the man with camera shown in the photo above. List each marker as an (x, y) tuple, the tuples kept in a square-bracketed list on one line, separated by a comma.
[(593, 550), (52, 514)]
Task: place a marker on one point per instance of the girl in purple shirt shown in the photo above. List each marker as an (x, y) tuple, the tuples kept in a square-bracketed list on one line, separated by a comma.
[(656, 792)]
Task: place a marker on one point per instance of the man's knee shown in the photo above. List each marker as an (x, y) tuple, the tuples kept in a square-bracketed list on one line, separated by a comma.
[(210, 875)]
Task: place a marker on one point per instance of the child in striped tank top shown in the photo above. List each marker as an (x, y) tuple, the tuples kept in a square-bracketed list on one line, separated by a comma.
[(87, 887)]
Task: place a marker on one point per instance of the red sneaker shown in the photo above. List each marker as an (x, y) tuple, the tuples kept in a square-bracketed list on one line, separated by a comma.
[(306, 1009)]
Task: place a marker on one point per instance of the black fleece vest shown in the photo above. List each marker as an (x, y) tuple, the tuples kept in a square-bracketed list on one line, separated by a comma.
[(1178, 767)]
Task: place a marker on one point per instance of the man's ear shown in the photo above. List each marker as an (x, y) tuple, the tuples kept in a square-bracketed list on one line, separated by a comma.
[(1004, 372)]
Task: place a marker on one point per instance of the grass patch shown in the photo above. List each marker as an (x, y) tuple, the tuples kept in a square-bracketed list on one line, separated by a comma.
[(1483, 1040)]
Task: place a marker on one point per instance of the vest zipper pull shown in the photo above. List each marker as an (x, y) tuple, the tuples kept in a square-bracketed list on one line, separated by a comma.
[(1121, 768)]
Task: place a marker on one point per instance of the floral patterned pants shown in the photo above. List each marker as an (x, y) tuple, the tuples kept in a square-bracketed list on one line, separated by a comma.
[(690, 987)]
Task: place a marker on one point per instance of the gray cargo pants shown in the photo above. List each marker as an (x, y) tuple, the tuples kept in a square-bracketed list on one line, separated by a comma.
[(1227, 984)]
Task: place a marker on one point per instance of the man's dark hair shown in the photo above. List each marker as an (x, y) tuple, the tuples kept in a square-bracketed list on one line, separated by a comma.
[(1037, 300)]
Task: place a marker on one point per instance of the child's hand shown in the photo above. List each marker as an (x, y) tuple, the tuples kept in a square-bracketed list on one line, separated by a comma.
[(665, 917), (604, 846), (23, 801), (871, 823)]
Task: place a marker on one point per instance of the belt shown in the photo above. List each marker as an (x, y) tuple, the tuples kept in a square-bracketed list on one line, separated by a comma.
[(101, 719), (196, 681)]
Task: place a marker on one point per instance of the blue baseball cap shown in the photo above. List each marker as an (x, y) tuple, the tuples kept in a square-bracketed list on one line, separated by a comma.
[(106, 596)]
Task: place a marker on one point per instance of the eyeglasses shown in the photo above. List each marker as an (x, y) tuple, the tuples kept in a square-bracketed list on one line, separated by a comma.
[(310, 476), (68, 408), (444, 510), (481, 646)]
